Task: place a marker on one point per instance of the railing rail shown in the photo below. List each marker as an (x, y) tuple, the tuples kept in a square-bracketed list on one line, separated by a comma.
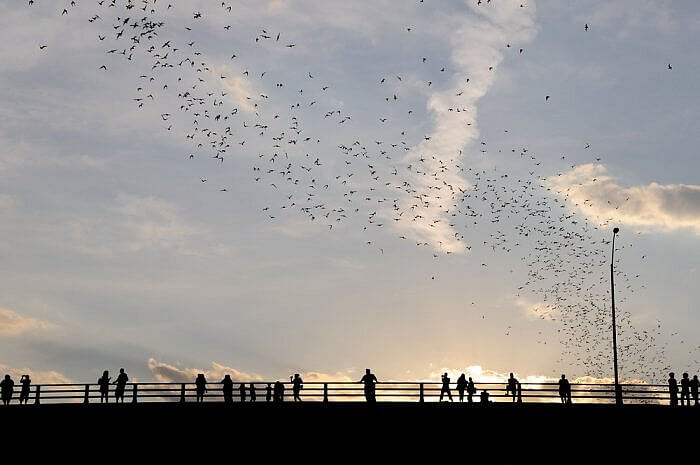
[(340, 391)]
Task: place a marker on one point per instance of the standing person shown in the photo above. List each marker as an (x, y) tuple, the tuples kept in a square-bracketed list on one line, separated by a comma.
[(227, 388), (7, 388), (201, 383), (103, 383), (241, 392), (461, 386), (673, 389), (564, 390), (268, 393), (121, 385), (445, 387), (471, 390), (278, 392), (297, 385), (694, 384), (369, 380), (24, 393), (253, 396), (685, 389), (512, 386)]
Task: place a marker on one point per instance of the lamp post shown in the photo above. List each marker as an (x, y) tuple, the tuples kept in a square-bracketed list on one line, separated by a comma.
[(618, 388)]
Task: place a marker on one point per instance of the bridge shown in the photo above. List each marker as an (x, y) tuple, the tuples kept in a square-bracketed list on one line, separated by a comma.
[(319, 391), (163, 420)]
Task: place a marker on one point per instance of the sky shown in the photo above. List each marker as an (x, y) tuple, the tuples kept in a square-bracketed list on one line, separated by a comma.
[(415, 187)]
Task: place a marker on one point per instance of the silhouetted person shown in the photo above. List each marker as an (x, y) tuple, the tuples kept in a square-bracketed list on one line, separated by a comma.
[(26, 382), (685, 389), (227, 388), (471, 390), (445, 387), (520, 393), (694, 384), (253, 395), (461, 386), (201, 384), (268, 392), (512, 386), (121, 385), (484, 397), (7, 388), (241, 392), (103, 383), (369, 380), (564, 390), (297, 385), (278, 395), (673, 389)]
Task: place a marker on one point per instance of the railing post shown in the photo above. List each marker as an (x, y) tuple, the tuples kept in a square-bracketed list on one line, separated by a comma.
[(38, 394), (421, 399), (325, 392), (86, 398), (135, 395), (182, 392)]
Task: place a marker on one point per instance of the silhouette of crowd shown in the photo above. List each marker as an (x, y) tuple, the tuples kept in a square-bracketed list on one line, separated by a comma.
[(275, 392)]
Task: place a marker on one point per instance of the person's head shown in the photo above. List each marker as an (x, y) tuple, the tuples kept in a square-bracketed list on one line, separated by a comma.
[(511, 375), (367, 370), (685, 375), (470, 378), (563, 376), (7, 377), (227, 377), (671, 375), (695, 377), (121, 370), (296, 375), (105, 374)]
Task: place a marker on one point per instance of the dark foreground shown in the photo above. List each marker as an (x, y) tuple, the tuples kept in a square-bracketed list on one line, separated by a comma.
[(302, 431)]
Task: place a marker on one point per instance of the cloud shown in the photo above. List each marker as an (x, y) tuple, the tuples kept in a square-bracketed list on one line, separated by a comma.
[(477, 50), (13, 324), (38, 377), (139, 223), (165, 372), (539, 310), (239, 89), (7, 203), (664, 207)]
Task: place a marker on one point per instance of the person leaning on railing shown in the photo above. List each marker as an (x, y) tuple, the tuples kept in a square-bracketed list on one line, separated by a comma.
[(103, 383), (369, 380), (7, 388)]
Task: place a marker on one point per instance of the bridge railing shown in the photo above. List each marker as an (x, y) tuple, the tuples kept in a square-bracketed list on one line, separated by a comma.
[(392, 391)]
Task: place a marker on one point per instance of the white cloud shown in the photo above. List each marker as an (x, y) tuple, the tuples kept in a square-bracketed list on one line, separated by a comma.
[(140, 223), (478, 44), (538, 310), (170, 373), (37, 377), (597, 195), (13, 324), (166, 372), (240, 91), (7, 203)]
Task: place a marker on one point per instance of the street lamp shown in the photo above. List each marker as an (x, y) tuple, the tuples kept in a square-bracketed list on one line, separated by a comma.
[(618, 388)]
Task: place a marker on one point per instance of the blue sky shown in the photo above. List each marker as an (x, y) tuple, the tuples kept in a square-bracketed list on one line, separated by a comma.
[(115, 252)]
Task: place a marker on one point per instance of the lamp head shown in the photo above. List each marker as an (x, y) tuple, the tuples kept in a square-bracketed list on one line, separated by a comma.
[(616, 230)]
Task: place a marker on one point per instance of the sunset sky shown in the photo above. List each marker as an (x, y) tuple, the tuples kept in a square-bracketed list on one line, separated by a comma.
[(119, 249)]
